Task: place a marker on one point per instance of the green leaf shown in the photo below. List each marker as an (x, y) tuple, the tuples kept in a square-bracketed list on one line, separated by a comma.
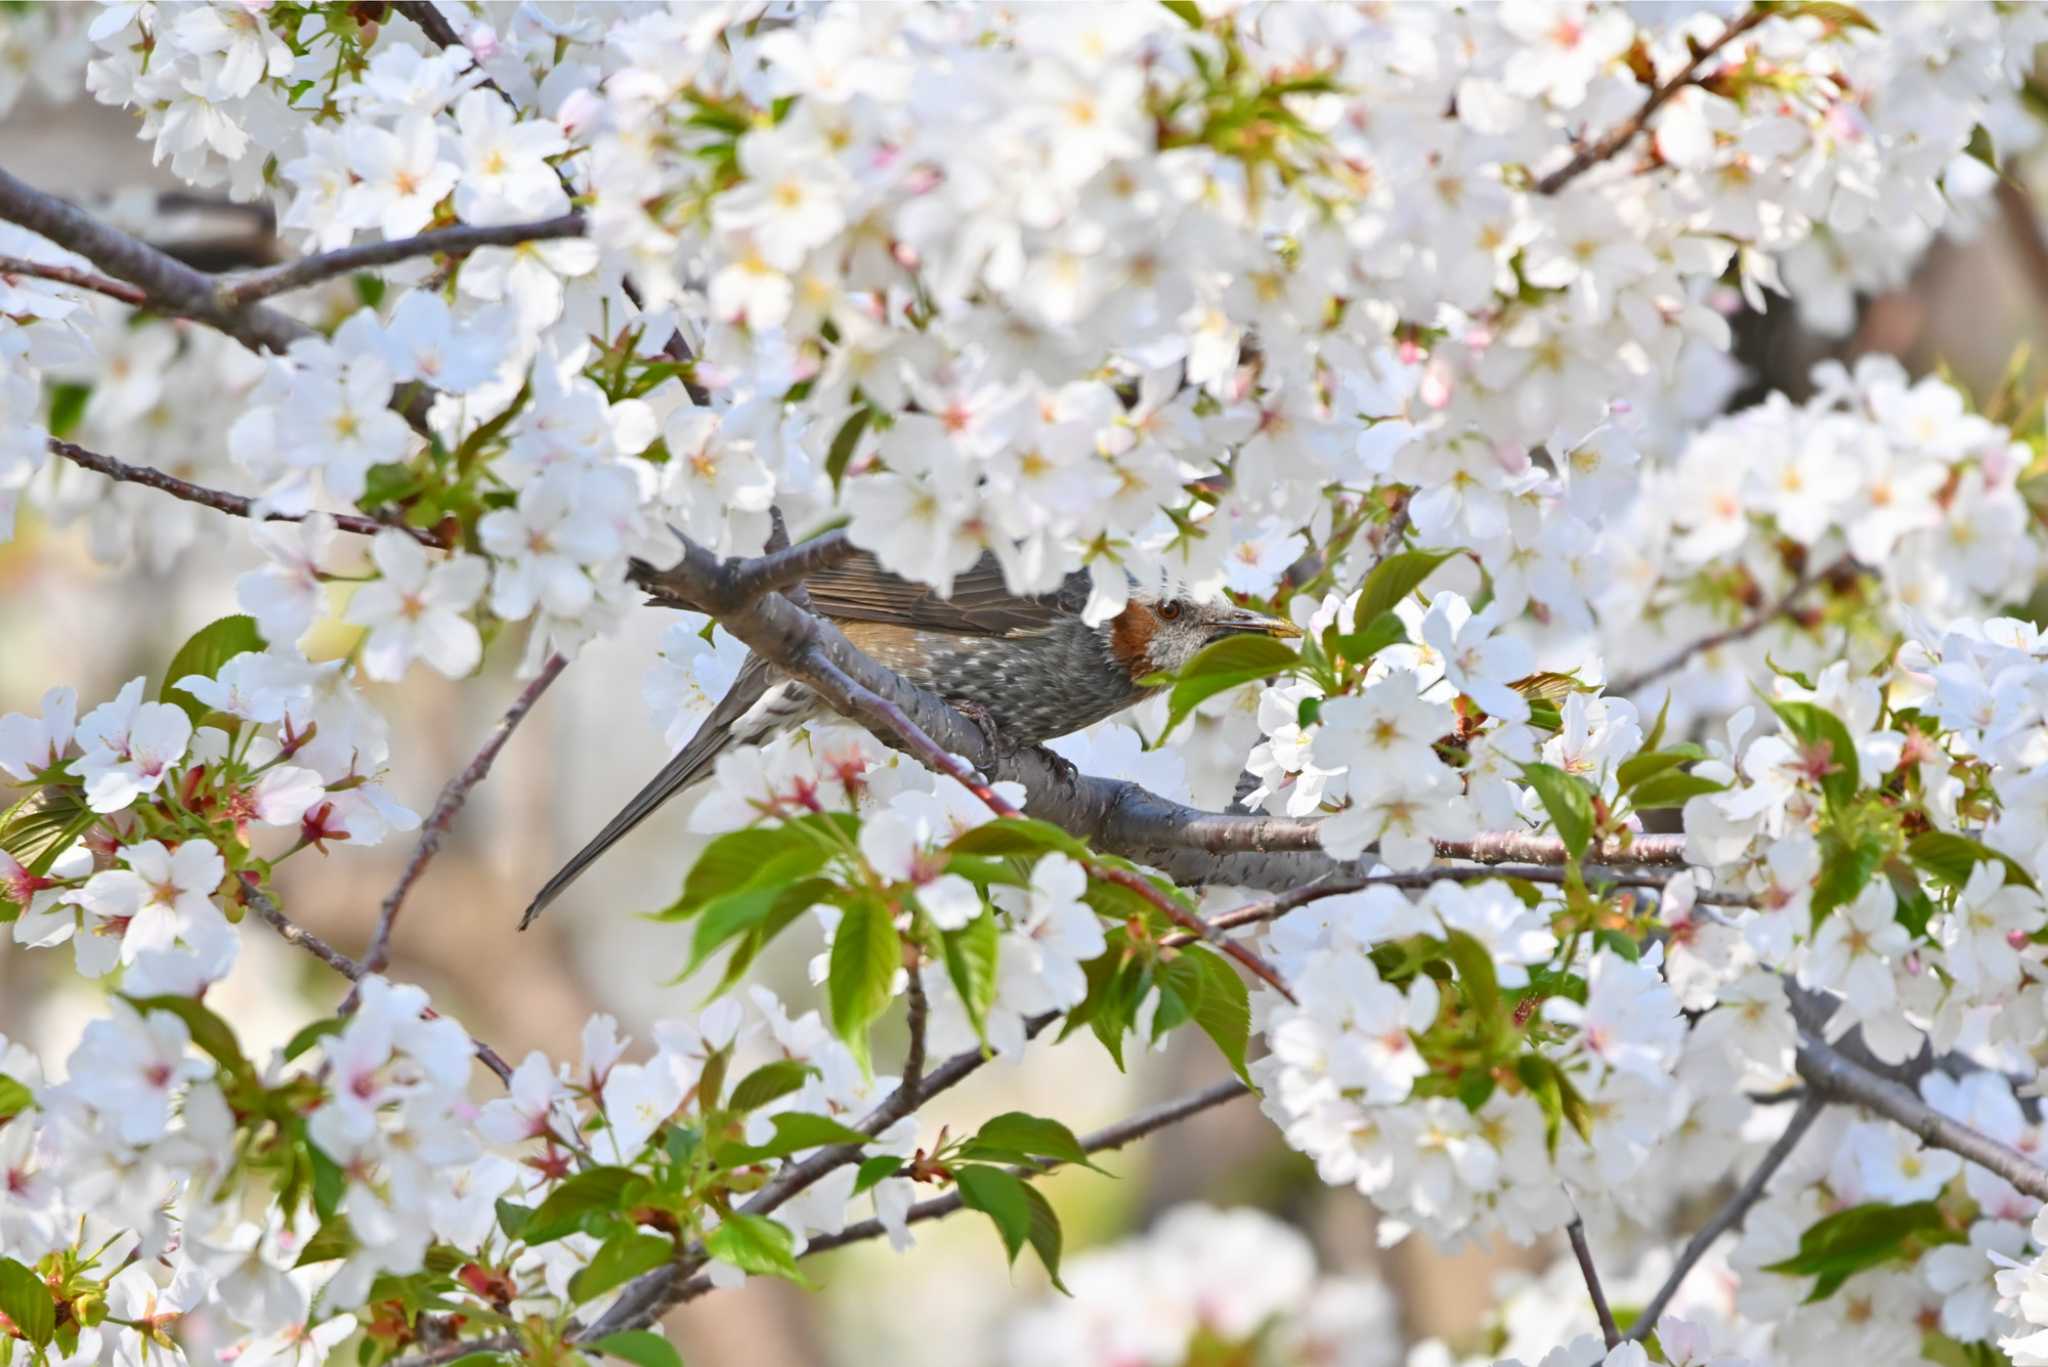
[(876, 1170), (1816, 729), (26, 1300), (755, 1243), (1656, 736), (865, 957), (971, 964), (1568, 800), (15, 1098), (582, 1203), (1045, 1236), (1357, 647), (623, 1256), (769, 1082), (208, 1031), (795, 1131), (1393, 579), (329, 1182), (312, 1035), (334, 1239), (1671, 790), (774, 902), (67, 406), (1224, 1008), (1014, 835), (513, 1218), (844, 441), (1185, 11), (1034, 1136), (1834, 13), (1646, 763), (1555, 1095), (1845, 1243), (1000, 1196), (1222, 665), (1951, 859), (212, 646), (642, 1347), (1476, 974), (483, 1359), (369, 288), (745, 858), (1849, 858)]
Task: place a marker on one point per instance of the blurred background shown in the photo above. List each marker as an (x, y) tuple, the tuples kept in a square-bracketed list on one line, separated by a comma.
[(67, 619)]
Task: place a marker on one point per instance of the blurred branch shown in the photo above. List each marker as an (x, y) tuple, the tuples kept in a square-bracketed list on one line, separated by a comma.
[(448, 804), (1576, 1232), (244, 289), (168, 284), (221, 501), (1622, 134), (919, 1016), (71, 275), (1730, 1215), (2023, 225), (1786, 606)]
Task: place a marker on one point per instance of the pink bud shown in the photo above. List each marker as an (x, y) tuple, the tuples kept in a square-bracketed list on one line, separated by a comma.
[(482, 42), (2016, 938), (1913, 964), (579, 111)]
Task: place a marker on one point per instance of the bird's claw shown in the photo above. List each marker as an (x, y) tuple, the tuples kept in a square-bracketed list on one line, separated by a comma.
[(985, 721), (1063, 769)]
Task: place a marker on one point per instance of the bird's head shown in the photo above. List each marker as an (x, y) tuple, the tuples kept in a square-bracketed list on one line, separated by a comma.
[(1159, 635)]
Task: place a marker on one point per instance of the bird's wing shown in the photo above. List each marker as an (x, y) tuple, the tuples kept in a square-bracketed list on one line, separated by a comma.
[(858, 589), (692, 762)]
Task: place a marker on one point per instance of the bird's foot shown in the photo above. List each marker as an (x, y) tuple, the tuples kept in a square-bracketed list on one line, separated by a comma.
[(985, 720), (1063, 769)]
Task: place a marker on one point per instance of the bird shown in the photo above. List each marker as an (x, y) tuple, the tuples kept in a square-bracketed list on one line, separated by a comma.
[(1027, 665)]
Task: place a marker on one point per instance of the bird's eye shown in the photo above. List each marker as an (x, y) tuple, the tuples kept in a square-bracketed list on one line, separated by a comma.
[(1169, 611)]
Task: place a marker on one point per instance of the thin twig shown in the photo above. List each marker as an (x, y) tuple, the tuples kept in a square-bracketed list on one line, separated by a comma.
[(311, 270), (1112, 1137), (1785, 606), (168, 284), (220, 500), (1730, 1215), (1273, 908), (299, 937), (1620, 136), (919, 1015), (457, 791), (1576, 1231), (71, 275)]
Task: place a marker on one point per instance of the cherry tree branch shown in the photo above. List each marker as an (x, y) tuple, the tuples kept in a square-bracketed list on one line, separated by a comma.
[(244, 289), (1785, 606), (1576, 1232), (448, 804), (1621, 135), (919, 1009), (299, 937), (168, 284), (1731, 1214), (1115, 1136), (1834, 1077), (16, 266), (1274, 907), (220, 500)]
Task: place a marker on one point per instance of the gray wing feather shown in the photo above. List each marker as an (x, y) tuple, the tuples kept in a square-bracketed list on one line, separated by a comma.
[(691, 763)]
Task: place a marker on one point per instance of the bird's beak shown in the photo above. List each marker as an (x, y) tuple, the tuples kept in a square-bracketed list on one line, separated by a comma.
[(1241, 622)]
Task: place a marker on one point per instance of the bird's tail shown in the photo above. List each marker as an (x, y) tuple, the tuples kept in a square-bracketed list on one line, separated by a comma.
[(693, 762)]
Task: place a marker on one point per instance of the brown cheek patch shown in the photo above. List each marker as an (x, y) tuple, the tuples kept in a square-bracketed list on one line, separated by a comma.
[(1130, 639)]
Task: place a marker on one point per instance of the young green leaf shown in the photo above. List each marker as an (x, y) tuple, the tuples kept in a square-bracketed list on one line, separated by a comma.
[(620, 1258), (1825, 744), (795, 1131), (1000, 1196), (1045, 1236), (1836, 1247), (27, 1301), (769, 1082), (587, 1201), (1015, 1132), (641, 1347), (755, 1243), (1222, 665), (1951, 859), (874, 1170), (971, 953), (1568, 800), (1223, 1010), (1393, 579), (1671, 790), (15, 1098), (212, 646), (865, 957)]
